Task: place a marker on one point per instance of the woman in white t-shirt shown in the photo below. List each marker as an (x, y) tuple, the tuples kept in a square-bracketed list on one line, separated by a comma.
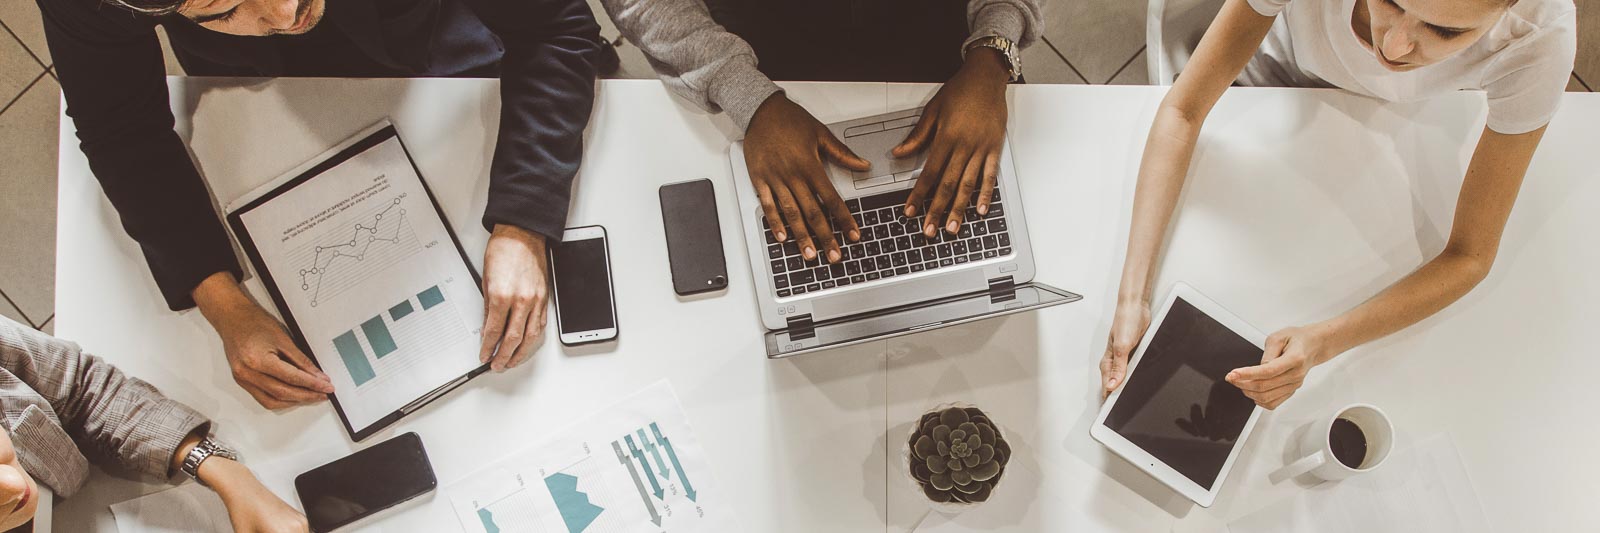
[(1519, 52)]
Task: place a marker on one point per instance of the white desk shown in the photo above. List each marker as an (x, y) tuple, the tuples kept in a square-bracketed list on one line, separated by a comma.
[(1302, 204)]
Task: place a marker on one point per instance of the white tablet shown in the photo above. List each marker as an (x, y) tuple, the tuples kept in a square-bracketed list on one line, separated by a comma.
[(1175, 416)]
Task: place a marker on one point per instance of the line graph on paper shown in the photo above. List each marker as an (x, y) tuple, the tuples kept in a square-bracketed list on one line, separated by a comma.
[(349, 252)]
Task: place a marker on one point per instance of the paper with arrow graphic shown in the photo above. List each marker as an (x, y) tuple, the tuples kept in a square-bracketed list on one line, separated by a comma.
[(632, 468)]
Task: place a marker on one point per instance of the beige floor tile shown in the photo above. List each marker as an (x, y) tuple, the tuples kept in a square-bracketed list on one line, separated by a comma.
[(1041, 64), (1134, 73), (1588, 64), (1096, 36), (22, 18), (18, 68), (1573, 85), (28, 199), (9, 311)]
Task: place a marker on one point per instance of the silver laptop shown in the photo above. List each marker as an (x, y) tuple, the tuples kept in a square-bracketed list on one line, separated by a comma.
[(894, 281)]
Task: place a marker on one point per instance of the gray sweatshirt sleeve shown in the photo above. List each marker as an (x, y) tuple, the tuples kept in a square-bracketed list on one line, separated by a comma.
[(715, 69)]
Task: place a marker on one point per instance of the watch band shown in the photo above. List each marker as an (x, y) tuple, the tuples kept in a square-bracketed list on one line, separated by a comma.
[(1007, 49), (197, 455)]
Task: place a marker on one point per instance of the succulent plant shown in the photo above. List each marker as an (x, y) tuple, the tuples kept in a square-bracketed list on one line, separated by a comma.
[(957, 455)]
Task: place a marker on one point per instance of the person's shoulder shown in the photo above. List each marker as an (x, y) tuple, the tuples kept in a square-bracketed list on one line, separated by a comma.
[(99, 16), (1531, 18)]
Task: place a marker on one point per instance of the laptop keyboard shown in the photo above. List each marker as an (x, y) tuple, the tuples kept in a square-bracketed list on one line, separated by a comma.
[(891, 245)]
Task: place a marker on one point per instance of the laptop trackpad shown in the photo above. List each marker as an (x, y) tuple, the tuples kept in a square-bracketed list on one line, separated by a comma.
[(876, 147)]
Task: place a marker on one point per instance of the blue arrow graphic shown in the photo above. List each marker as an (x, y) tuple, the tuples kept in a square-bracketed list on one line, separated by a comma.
[(646, 464), (655, 518), (655, 452), (688, 489)]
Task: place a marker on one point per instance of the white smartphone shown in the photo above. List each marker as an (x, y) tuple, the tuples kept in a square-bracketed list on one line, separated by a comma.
[(581, 265)]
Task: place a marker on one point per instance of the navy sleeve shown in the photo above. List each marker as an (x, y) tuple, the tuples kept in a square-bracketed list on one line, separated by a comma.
[(547, 84), (114, 80)]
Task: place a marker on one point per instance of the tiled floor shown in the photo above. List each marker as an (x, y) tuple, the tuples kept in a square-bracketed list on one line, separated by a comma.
[(1085, 41)]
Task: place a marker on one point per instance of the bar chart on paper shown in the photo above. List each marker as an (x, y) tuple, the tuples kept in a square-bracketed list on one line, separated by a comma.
[(419, 323), (633, 468)]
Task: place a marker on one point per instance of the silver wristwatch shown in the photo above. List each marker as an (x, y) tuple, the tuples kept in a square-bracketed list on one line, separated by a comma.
[(1007, 50), (207, 448)]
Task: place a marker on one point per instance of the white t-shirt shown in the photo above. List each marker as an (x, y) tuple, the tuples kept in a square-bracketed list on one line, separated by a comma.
[(1522, 62)]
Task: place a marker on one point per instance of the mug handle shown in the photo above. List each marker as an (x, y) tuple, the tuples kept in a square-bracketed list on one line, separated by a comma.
[(1297, 468)]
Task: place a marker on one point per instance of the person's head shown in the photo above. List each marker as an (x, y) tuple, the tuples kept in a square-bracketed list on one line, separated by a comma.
[(19, 496), (238, 17), (1409, 34)]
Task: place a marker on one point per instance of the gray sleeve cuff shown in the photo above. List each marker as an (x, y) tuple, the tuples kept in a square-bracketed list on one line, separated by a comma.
[(158, 432), (738, 88), (1004, 19)]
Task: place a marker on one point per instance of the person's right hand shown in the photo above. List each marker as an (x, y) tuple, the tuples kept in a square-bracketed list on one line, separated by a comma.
[(264, 360), (1127, 328), (784, 150)]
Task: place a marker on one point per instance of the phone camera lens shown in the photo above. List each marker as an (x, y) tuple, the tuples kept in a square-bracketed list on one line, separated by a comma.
[(719, 280)]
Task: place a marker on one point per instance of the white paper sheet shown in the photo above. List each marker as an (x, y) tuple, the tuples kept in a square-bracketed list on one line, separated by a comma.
[(1419, 490), (632, 468), (186, 509), (372, 278)]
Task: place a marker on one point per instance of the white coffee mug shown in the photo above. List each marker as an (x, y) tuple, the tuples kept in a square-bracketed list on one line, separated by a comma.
[(1317, 445)]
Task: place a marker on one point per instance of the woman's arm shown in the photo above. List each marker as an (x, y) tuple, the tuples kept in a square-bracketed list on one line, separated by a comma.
[(1227, 46), (1487, 193), (251, 507)]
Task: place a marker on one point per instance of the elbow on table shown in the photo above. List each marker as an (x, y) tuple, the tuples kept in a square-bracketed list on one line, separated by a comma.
[(1473, 265)]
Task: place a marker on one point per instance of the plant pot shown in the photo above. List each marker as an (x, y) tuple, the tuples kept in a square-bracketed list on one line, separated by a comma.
[(959, 500)]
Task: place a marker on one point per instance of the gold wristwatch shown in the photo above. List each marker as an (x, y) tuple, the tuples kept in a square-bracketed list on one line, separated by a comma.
[(1007, 50)]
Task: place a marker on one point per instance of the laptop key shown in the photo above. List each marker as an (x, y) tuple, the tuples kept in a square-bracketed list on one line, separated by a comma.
[(778, 267), (774, 251), (821, 273), (883, 262), (853, 267), (1005, 251), (961, 259), (927, 252), (858, 279), (873, 249), (990, 242), (843, 281), (974, 244), (799, 289), (916, 267), (888, 246), (836, 270), (901, 271), (791, 248), (960, 248), (990, 254), (944, 250), (930, 265), (801, 278), (871, 217), (980, 228), (914, 256), (995, 209), (898, 259), (896, 229), (781, 282), (853, 204), (858, 251), (872, 276), (814, 287), (966, 231), (794, 263), (888, 273), (1005, 239), (974, 256), (997, 225), (889, 199), (829, 284), (946, 262)]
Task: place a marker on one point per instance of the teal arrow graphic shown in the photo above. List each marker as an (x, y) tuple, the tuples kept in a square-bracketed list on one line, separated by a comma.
[(688, 490), (660, 494), (656, 452), (655, 518)]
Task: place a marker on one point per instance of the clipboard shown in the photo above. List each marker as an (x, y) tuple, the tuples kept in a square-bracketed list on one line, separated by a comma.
[(318, 167)]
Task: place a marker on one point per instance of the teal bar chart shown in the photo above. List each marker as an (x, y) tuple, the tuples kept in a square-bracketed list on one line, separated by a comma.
[(431, 297), (400, 310), (378, 336), (354, 358)]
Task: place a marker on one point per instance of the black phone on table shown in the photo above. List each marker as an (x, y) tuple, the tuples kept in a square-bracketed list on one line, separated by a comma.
[(363, 483), (586, 309), (694, 237)]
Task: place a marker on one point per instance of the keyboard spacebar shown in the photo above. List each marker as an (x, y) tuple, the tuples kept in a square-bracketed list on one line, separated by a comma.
[(888, 199)]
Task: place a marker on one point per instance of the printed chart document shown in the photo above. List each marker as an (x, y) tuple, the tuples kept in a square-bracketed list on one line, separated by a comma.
[(190, 507), (634, 467), (1425, 488), (368, 276)]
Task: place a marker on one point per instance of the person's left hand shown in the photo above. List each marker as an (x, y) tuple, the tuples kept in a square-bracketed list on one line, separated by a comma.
[(515, 292), (252, 508), (1288, 358), (962, 129)]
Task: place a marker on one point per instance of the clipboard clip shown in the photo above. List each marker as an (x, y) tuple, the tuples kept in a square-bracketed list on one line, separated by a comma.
[(435, 393)]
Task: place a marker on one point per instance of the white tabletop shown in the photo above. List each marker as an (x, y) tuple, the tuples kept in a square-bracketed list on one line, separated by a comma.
[(1301, 204)]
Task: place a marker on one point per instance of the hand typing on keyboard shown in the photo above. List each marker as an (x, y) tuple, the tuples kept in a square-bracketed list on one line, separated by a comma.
[(784, 150), (963, 129)]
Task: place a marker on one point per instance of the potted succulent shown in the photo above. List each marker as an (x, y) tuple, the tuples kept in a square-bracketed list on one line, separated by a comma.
[(956, 455)]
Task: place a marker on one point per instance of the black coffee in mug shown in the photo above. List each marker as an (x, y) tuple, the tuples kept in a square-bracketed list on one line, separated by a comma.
[(1348, 442)]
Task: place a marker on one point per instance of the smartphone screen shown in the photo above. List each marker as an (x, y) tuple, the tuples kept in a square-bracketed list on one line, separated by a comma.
[(583, 286), (371, 480)]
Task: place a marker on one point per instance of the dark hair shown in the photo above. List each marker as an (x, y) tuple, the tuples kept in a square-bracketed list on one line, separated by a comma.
[(149, 7)]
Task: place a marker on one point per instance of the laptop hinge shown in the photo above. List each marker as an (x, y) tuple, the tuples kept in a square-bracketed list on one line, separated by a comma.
[(1002, 289), (800, 327)]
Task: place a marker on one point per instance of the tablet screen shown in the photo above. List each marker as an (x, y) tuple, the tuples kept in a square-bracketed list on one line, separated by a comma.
[(1176, 404)]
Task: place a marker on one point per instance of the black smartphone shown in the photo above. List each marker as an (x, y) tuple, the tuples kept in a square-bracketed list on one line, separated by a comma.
[(694, 237), (581, 265), (359, 485)]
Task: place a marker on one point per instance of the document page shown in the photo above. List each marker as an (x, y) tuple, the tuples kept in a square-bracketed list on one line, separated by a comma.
[(370, 276), (190, 507)]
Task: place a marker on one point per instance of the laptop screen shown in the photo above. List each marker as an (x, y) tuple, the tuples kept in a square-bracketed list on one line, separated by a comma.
[(879, 325)]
